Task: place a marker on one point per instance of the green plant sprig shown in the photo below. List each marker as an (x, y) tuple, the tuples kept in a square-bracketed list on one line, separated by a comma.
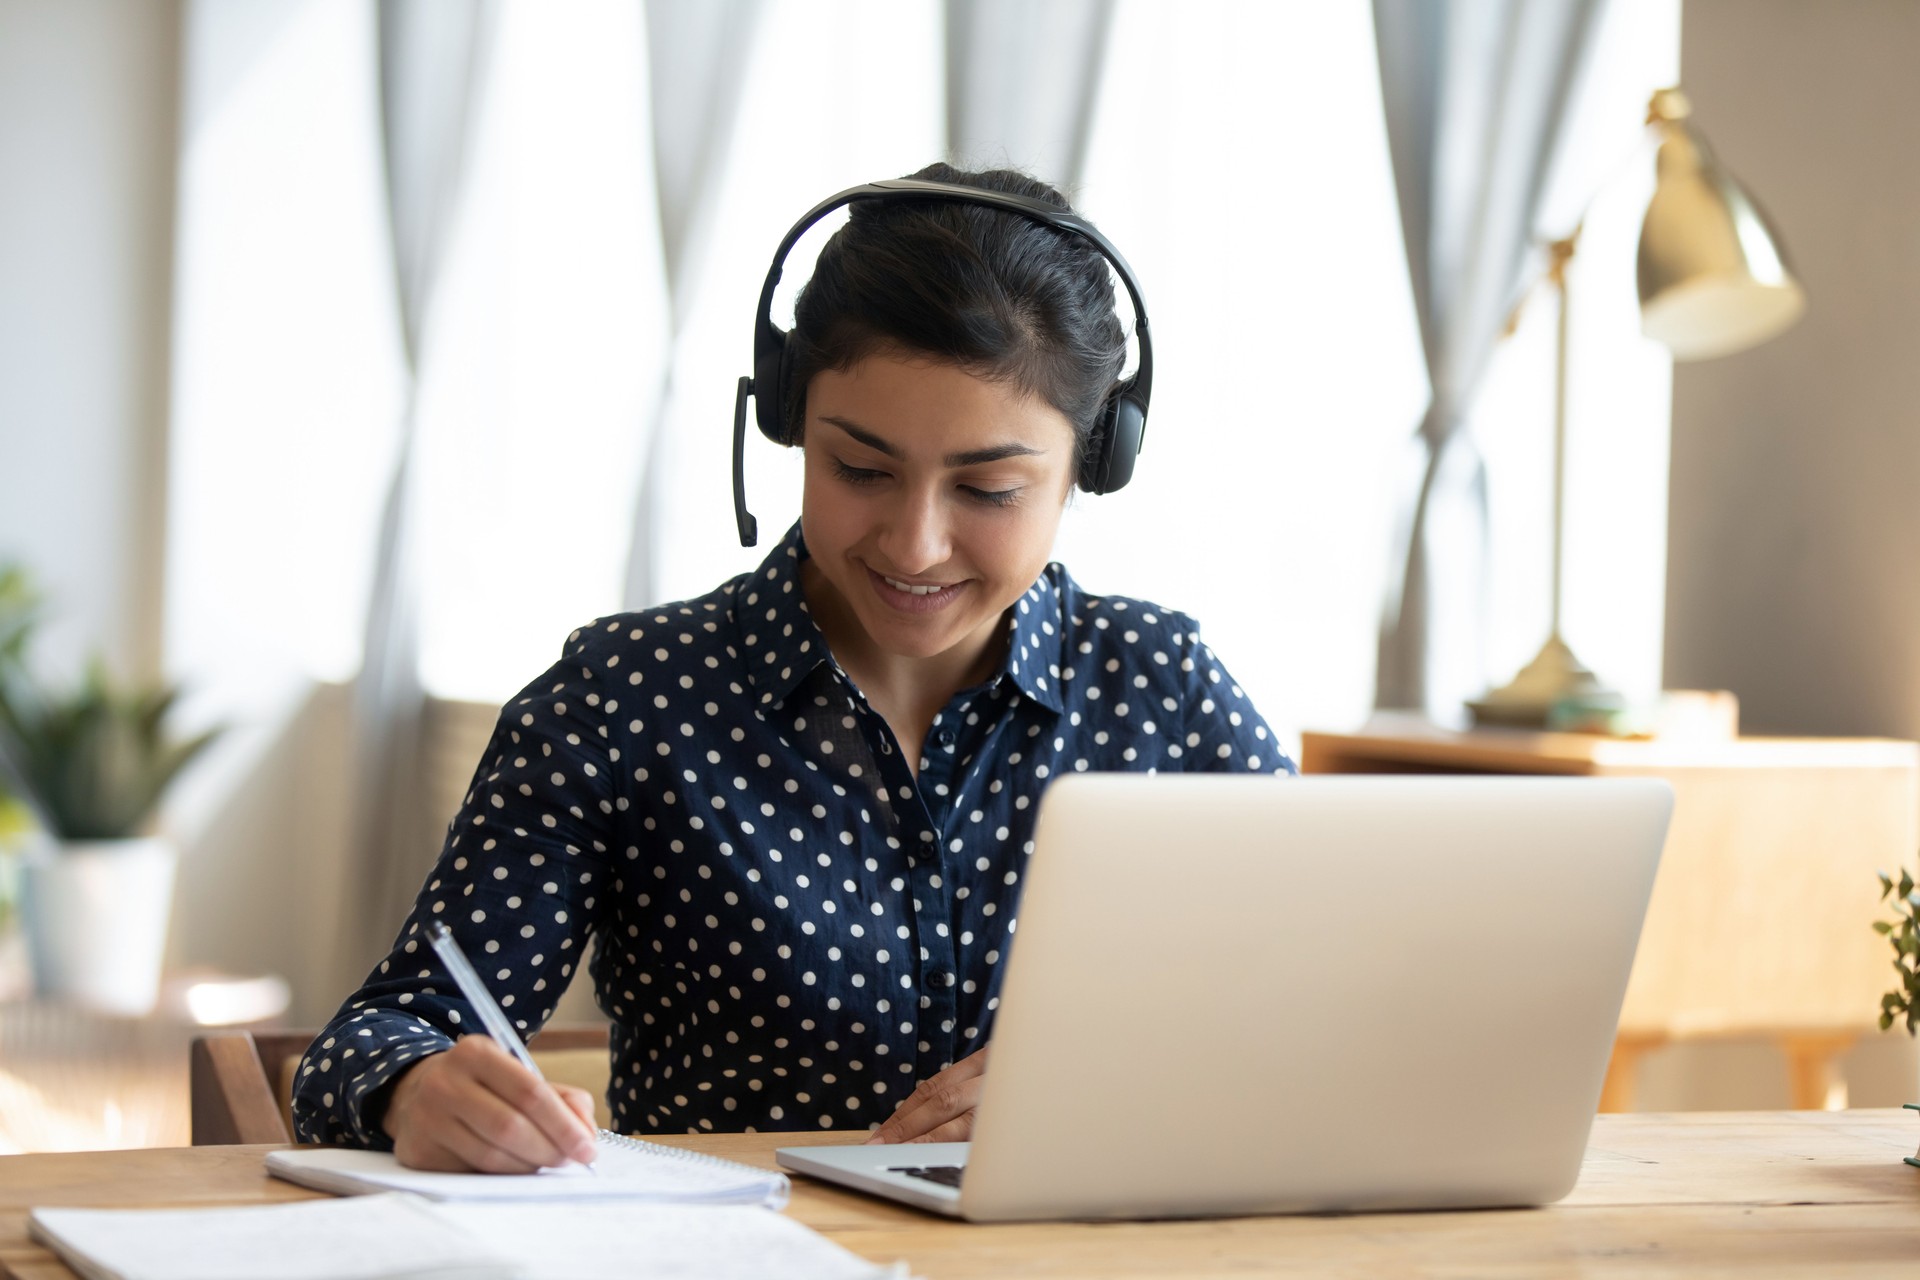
[(1903, 932), (19, 608)]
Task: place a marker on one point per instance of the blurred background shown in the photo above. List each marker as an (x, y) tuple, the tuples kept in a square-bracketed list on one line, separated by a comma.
[(353, 353)]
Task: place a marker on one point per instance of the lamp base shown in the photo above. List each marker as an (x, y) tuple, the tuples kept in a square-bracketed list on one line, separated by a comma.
[(1553, 677)]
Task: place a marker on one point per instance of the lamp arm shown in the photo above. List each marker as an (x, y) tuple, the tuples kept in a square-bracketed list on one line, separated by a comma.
[(1658, 117), (1559, 254), (1557, 273)]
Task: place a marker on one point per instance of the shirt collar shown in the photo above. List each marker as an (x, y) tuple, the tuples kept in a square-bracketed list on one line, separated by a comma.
[(779, 641), (781, 644), (1034, 647)]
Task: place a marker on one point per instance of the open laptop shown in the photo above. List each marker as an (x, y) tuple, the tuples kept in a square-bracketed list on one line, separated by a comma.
[(1239, 994)]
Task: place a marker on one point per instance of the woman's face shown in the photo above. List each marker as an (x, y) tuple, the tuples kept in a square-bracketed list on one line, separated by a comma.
[(932, 498)]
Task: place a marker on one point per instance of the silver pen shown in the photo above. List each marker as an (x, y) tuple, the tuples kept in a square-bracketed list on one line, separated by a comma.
[(492, 1017)]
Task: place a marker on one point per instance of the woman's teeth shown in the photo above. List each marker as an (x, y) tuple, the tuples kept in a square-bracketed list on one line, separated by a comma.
[(909, 588)]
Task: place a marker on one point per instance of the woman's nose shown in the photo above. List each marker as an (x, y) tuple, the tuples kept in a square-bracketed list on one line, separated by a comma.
[(915, 537)]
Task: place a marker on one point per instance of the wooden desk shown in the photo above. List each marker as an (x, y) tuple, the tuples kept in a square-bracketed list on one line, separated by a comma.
[(1759, 1195), (1761, 919)]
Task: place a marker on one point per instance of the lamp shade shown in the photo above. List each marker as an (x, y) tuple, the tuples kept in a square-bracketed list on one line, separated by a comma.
[(1712, 277)]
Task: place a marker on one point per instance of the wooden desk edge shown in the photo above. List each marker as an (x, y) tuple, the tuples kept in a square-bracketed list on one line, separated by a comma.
[(1885, 1134), (1700, 1178)]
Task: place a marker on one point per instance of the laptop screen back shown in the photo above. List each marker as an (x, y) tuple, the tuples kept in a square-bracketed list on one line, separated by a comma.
[(1232, 994)]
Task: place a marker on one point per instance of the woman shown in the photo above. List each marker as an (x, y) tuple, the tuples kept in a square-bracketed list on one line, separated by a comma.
[(793, 813)]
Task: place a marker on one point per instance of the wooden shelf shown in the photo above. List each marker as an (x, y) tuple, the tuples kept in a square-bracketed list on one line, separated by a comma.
[(1761, 918)]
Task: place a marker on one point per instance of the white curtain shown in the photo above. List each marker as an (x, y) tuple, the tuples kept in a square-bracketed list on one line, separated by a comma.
[(697, 61), (832, 93), (431, 58), (1021, 83), (1475, 93), (1238, 159)]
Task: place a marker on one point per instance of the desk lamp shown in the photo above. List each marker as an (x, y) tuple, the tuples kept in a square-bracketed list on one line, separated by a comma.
[(1712, 281)]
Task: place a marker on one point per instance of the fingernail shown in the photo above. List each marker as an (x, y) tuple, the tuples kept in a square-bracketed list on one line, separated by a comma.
[(875, 1141)]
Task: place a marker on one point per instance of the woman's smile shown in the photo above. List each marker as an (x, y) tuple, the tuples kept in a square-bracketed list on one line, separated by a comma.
[(914, 597)]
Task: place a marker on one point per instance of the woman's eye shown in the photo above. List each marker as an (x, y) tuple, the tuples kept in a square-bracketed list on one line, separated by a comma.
[(994, 497), (855, 475)]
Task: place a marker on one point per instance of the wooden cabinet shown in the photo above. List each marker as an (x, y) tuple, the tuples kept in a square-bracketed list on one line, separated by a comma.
[(1761, 917)]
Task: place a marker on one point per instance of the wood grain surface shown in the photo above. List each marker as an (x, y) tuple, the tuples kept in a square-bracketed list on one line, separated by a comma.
[(1758, 1195)]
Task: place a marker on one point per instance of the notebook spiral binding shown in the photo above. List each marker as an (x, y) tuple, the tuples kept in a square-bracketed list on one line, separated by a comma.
[(701, 1158)]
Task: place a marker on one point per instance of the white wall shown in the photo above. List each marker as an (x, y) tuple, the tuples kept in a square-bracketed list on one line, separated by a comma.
[(89, 144), (88, 108), (264, 838), (1794, 526), (1795, 508)]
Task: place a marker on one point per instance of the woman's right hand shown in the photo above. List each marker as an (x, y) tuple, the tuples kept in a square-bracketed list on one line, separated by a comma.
[(474, 1108)]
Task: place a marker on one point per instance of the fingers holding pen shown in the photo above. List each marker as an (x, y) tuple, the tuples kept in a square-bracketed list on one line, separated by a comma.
[(522, 1116), (580, 1101), (475, 1107)]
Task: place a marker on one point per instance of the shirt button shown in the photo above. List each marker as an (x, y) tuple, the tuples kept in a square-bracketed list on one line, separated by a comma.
[(944, 738)]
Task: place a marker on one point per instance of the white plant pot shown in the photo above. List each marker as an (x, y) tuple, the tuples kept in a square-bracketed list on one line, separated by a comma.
[(95, 914)]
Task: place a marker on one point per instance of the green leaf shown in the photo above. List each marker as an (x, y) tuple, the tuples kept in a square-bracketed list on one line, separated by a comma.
[(1906, 883), (1886, 1020), (1883, 926)]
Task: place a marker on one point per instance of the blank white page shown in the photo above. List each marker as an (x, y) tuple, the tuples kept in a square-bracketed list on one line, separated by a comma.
[(607, 1241), (382, 1237)]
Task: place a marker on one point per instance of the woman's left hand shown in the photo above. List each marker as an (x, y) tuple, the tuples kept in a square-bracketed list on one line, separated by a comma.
[(941, 1108)]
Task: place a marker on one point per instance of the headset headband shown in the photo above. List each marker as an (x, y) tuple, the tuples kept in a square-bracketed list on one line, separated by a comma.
[(1117, 435)]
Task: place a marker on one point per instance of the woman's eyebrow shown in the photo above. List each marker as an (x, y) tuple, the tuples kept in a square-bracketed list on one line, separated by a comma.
[(975, 457), (971, 458), (864, 436)]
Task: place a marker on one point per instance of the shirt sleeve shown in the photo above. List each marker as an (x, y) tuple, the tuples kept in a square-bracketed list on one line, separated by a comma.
[(1224, 732), (518, 880)]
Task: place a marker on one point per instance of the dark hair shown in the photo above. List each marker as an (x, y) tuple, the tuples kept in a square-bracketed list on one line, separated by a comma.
[(1001, 296)]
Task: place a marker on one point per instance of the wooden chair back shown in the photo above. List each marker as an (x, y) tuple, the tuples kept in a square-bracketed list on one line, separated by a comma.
[(242, 1081)]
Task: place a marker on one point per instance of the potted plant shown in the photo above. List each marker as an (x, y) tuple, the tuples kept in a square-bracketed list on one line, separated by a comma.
[(90, 763), (1903, 934)]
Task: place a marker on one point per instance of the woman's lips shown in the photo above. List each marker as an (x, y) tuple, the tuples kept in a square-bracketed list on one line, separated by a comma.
[(914, 601)]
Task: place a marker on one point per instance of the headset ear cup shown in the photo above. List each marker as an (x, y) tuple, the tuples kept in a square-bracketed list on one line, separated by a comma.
[(769, 389), (789, 430), (1111, 464)]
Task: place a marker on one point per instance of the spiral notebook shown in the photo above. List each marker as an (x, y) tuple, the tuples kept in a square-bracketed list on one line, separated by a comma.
[(625, 1169)]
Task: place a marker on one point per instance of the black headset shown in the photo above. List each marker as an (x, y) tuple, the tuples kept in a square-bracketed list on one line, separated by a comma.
[(1116, 436)]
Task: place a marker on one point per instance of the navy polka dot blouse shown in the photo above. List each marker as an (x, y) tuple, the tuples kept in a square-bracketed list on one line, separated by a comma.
[(790, 926)]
